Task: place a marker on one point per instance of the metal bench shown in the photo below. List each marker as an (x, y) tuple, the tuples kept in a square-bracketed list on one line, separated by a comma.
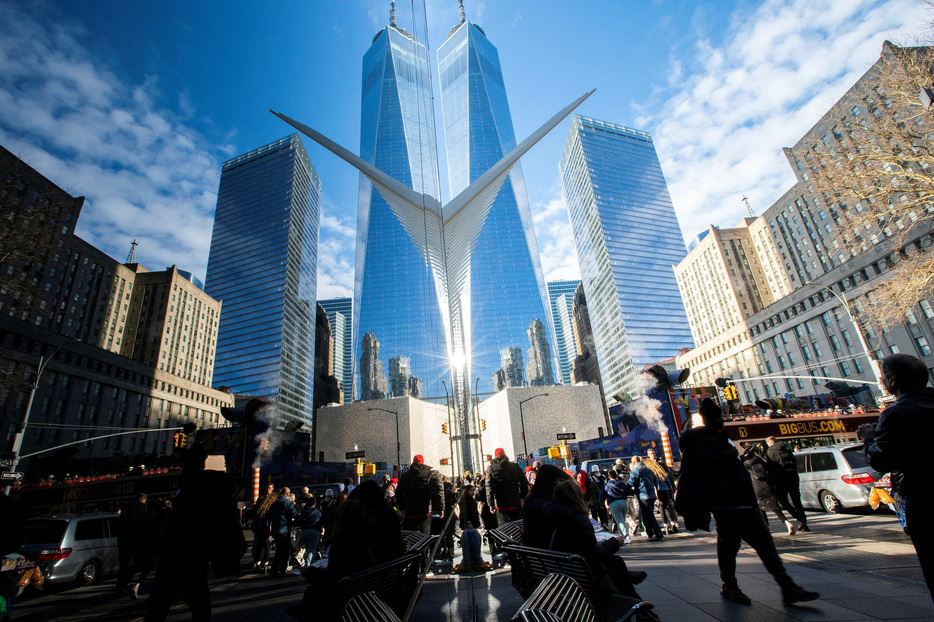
[(507, 533), (558, 598), (367, 607), (531, 566), (395, 582)]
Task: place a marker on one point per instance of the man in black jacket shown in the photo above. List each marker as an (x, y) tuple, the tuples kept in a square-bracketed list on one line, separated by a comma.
[(783, 468), (506, 488), (711, 471), (900, 442), (420, 496)]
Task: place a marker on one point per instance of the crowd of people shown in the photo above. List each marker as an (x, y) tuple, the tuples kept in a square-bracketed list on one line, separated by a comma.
[(563, 509)]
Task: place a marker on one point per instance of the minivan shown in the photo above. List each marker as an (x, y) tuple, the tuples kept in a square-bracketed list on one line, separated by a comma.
[(835, 477), (73, 548)]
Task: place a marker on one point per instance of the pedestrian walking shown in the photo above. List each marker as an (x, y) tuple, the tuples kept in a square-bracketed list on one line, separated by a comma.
[(783, 469), (713, 476), (645, 484), (666, 491), (615, 497), (762, 485), (280, 516), (595, 483), (506, 488), (135, 545), (420, 496), (899, 443), (311, 522)]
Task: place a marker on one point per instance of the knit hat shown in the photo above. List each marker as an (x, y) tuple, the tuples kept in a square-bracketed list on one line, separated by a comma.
[(499, 452), (710, 412), (418, 459)]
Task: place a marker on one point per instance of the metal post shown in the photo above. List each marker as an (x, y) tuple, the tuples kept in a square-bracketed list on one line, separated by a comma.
[(476, 401), (525, 446), (873, 363), (447, 399), (21, 429)]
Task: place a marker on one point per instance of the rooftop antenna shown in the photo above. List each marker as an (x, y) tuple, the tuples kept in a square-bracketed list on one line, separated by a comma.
[(748, 207), (463, 18), (131, 258), (392, 14)]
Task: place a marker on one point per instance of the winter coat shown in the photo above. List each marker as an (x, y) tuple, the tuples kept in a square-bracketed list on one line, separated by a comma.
[(782, 465), (595, 483), (506, 484), (311, 518), (761, 479), (469, 512), (615, 490), (281, 512), (902, 440), (420, 492), (711, 472), (643, 480)]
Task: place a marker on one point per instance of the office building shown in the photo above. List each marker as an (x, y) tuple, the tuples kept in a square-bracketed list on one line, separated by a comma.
[(627, 238), (396, 303), (561, 295), (340, 316), (263, 267), (507, 293)]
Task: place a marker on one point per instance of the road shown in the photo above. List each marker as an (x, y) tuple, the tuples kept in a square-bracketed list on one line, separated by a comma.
[(866, 550)]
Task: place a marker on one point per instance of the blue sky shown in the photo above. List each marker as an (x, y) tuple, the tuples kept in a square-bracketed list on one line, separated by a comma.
[(135, 105)]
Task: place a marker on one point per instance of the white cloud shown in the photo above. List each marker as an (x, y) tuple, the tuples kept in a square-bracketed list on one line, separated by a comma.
[(336, 250), (719, 129), (146, 175), (555, 239)]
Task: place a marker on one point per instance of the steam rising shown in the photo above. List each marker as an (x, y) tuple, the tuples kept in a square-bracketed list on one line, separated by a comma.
[(275, 438), (646, 408)]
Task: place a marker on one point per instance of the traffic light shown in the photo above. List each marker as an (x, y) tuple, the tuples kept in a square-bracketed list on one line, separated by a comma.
[(445, 461), (554, 452), (181, 440), (483, 424), (730, 392), (369, 468), (264, 444), (444, 428)]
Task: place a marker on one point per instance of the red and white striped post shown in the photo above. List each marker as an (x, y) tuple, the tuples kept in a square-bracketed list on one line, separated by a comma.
[(255, 485)]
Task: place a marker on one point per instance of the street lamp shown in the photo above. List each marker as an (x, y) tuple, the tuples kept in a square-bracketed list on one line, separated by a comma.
[(525, 446), (21, 430), (873, 363), (398, 443), (447, 400)]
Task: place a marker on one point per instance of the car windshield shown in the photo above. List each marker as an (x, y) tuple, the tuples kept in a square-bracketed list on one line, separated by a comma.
[(855, 458), (45, 531)]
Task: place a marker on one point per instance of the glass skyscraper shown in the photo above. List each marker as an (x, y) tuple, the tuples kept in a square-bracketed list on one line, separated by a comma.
[(396, 296), (561, 295), (628, 240), (506, 291), (340, 315), (263, 266)]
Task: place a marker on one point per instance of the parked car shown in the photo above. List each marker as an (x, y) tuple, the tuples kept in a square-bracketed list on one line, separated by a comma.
[(835, 477), (73, 548)]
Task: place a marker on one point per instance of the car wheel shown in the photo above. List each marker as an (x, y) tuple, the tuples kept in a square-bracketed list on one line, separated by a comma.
[(89, 573), (829, 502)]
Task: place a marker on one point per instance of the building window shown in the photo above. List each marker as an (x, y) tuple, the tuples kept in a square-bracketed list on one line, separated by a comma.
[(846, 338), (845, 368), (926, 309), (923, 346)]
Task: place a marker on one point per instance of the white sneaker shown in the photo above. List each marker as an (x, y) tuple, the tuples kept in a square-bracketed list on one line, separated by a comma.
[(133, 592), (627, 540), (792, 530)]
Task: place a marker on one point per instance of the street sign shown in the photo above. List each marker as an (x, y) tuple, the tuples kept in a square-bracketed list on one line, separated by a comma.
[(10, 475), (6, 463), (566, 436), (350, 455)]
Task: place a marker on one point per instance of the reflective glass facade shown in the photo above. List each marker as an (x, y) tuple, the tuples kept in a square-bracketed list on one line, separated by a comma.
[(395, 297), (263, 266), (628, 240), (561, 296), (340, 315), (507, 289)]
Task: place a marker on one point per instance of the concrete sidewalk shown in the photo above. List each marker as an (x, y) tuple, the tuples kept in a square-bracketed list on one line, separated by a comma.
[(871, 578)]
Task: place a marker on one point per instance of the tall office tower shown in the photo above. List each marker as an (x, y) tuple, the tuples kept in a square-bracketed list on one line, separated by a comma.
[(540, 371), (340, 315), (511, 372), (395, 297), (507, 290), (327, 388), (373, 385), (263, 267), (561, 295), (627, 239)]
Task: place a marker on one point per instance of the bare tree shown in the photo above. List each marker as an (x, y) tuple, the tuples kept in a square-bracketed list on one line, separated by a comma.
[(874, 171)]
